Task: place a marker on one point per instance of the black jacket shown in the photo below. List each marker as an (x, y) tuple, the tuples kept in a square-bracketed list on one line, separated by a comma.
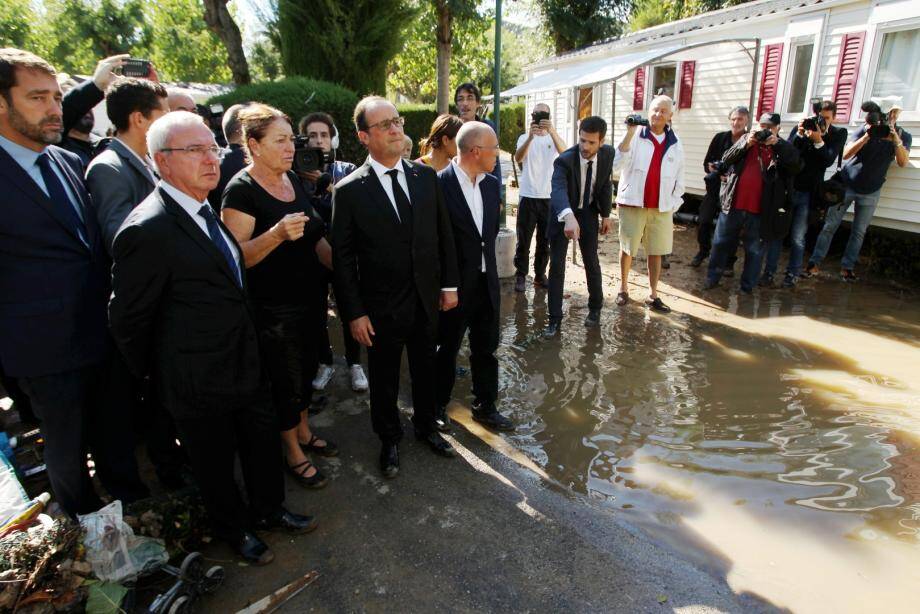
[(178, 314), (816, 161), (470, 245), (720, 143), (381, 267), (566, 185), (233, 163), (53, 286), (775, 212)]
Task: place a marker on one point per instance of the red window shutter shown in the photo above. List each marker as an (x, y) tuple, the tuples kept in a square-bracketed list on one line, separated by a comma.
[(851, 48), (639, 90), (687, 71), (769, 79)]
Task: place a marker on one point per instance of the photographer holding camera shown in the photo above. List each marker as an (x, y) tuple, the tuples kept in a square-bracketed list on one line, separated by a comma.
[(320, 132), (753, 199), (536, 151), (715, 176), (819, 143), (869, 155)]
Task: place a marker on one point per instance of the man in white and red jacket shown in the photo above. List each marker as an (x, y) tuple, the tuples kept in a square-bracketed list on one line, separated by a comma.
[(650, 190)]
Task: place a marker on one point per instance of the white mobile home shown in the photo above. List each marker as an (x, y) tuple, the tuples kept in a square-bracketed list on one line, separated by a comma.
[(769, 55)]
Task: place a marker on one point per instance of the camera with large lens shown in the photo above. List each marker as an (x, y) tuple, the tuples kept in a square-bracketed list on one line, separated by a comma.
[(538, 116), (308, 159), (877, 120), (636, 120), (817, 121), (763, 135)]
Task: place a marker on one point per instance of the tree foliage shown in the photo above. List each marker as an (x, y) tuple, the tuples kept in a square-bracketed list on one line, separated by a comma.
[(648, 13), (350, 43), (182, 46), (573, 24), (16, 21)]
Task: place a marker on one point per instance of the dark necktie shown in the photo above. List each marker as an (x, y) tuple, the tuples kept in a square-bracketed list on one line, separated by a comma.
[(586, 190), (403, 207), (218, 239), (59, 197)]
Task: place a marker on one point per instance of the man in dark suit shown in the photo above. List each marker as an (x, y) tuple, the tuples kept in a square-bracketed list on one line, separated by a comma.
[(473, 203), (179, 312), (234, 157), (581, 194), (395, 267), (54, 282), (121, 177)]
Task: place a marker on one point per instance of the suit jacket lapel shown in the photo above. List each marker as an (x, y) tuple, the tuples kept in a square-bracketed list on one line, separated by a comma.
[(415, 195), (132, 159), (18, 176), (455, 193), (197, 235), (375, 189), (79, 189)]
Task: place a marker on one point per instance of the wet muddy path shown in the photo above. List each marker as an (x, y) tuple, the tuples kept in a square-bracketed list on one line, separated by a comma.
[(776, 437)]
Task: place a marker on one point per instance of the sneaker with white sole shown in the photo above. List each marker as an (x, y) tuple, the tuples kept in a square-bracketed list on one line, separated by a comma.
[(323, 375), (358, 379)]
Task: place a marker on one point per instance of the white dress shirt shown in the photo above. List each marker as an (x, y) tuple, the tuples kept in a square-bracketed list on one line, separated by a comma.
[(192, 207), (583, 167), (387, 183), (473, 196)]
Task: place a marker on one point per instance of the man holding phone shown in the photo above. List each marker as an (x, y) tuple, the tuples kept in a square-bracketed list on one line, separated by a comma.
[(536, 151)]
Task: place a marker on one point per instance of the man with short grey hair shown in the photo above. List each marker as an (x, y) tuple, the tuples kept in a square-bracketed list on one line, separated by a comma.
[(180, 313), (180, 101), (473, 203)]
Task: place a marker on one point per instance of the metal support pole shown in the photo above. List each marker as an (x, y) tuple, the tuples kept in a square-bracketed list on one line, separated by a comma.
[(497, 91), (753, 116)]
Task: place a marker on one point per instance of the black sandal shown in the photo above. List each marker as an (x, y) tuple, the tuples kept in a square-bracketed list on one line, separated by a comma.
[(328, 450), (622, 299), (317, 480)]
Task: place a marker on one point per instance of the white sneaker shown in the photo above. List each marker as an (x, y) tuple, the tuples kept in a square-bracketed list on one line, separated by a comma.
[(358, 379), (323, 375)]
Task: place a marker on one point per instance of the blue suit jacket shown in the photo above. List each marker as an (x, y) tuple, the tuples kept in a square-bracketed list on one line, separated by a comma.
[(470, 245), (53, 286)]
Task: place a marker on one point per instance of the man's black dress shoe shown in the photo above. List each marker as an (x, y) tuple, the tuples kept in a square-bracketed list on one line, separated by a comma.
[(540, 282), (389, 460), (519, 283), (491, 418), (594, 318), (253, 549), (551, 330), (289, 522), (698, 259), (441, 421), (437, 444)]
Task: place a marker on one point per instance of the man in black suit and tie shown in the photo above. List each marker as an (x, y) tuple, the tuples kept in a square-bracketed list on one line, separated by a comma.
[(581, 194), (474, 204), (395, 267), (54, 283), (180, 313)]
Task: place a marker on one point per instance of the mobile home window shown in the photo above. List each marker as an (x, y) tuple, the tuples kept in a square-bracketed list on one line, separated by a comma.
[(898, 71), (664, 78), (800, 63)]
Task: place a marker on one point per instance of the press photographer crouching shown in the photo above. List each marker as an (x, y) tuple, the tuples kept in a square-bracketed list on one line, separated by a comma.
[(753, 199), (819, 143), (868, 156), (315, 164)]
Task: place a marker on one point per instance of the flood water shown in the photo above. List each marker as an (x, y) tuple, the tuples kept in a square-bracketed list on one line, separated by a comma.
[(774, 437)]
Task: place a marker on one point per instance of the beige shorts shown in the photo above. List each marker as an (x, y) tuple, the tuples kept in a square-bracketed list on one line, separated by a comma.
[(649, 227)]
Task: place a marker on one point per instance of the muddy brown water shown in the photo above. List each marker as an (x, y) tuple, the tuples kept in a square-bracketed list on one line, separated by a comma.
[(775, 435)]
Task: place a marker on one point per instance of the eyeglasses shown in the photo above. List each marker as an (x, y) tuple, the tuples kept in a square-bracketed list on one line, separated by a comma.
[(389, 123), (199, 150)]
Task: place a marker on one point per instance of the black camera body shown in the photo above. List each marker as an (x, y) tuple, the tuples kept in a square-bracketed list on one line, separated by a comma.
[(719, 168), (815, 123), (636, 120), (878, 121), (308, 159), (763, 135), (538, 116)]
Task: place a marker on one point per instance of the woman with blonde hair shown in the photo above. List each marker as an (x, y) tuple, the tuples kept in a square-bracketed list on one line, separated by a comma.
[(268, 211), (440, 147)]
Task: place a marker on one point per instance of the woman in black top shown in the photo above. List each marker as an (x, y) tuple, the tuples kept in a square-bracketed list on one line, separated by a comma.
[(281, 236)]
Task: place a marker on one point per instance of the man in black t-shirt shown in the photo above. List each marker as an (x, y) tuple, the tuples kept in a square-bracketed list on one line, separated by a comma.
[(868, 160)]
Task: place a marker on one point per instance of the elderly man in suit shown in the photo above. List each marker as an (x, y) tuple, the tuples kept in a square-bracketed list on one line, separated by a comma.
[(473, 203), (581, 195), (179, 312), (54, 283), (395, 268)]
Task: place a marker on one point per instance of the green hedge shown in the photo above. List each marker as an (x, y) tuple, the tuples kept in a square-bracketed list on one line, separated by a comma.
[(290, 95), (419, 118)]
